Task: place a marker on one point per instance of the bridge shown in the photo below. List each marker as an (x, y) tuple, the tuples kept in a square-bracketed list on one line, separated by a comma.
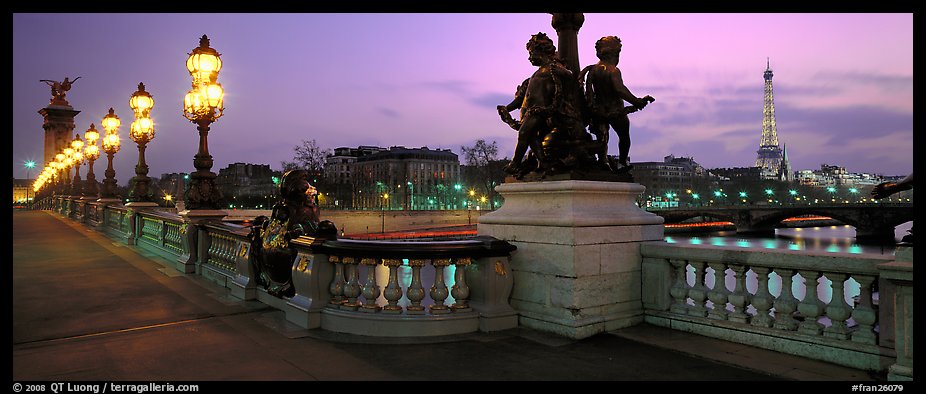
[(871, 221), (89, 304)]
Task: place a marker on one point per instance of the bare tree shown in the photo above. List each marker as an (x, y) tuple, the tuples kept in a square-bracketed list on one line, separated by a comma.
[(484, 167), (307, 156)]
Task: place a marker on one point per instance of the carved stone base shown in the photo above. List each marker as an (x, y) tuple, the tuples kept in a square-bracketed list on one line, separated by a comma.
[(577, 270)]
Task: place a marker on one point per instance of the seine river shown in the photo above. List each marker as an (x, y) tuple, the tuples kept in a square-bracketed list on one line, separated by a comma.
[(836, 239)]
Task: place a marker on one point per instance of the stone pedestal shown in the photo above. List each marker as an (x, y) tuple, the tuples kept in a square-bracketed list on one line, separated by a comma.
[(577, 269), (193, 219), (900, 274)]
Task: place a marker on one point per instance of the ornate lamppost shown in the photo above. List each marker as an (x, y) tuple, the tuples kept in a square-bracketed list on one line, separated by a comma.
[(77, 155), (91, 152), (60, 171), (203, 104), (142, 132), (110, 144)]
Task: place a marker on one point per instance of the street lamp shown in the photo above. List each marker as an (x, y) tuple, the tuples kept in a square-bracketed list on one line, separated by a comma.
[(29, 164), (77, 156), (202, 105), (110, 144), (63, 171), (142, 132), (383, 209), (92, 152)]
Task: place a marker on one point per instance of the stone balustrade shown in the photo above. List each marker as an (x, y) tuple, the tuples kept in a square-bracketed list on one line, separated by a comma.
[(454, 286), (117, 221), (159, 232), (821, 306), (362, 287)]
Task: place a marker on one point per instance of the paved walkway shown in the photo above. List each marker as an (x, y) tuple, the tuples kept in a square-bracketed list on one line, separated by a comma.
[(86, 307)]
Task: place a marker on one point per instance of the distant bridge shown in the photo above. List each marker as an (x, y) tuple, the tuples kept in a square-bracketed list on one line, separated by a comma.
[(871, 221)]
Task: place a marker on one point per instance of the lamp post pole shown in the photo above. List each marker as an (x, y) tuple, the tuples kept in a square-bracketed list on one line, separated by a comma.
[(142, 132), (91, 152), (202, 105), (110, 144), (77, 144)]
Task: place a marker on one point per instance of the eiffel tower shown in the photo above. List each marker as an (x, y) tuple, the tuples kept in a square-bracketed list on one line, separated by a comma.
[(769, 154)]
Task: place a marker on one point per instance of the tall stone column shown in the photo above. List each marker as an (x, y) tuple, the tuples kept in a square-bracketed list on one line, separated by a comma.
[(59, 128), (578, 268)]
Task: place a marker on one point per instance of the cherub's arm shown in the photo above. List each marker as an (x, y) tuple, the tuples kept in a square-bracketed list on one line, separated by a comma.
[(618, 83)]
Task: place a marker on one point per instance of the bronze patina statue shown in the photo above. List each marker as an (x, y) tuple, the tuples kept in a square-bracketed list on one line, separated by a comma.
[(551, 114), (605, 94), (296, 214), (59, 89), (555, 112)]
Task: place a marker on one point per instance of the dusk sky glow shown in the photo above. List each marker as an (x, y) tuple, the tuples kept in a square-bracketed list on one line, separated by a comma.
[(843, 93)]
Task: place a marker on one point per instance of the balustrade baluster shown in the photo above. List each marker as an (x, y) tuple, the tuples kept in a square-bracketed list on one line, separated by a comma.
[(415, 291), (336, 289), (439, 291), (864, 314), (837, 310), (739, 298), (460, 291), (810, 306), (370, 288), (679, 290), (352, 287), (718, 295), (698, 292), (762, 300), (785, 304), (392, 292)]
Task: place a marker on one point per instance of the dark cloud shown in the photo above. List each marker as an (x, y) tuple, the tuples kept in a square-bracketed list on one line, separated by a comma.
[(491, 100), (388, 112), (884, 81), (457, 87), (841, 125)]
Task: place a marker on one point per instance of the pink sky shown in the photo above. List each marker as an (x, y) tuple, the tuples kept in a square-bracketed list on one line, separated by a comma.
[(843, 82)]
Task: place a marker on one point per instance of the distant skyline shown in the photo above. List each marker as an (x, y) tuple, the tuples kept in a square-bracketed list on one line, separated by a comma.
[(843, 83)]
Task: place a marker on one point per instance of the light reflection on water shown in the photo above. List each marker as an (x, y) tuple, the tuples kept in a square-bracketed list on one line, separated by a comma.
[(833, 239)]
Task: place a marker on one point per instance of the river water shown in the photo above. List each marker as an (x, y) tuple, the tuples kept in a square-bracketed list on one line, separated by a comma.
[(836, 239)]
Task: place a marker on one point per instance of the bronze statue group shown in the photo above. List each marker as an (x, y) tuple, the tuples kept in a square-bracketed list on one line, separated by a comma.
[(557, 106)]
